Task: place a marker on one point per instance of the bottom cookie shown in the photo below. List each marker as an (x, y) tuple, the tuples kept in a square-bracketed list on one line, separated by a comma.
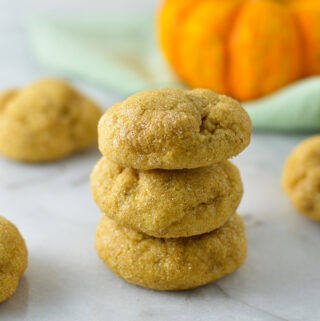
[(171, 264)]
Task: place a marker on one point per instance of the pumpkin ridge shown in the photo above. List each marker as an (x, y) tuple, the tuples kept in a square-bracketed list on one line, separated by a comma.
[(233, 22), (308, 18), (272, 56), (206, 29), (171, 50), (176, 43), (303, 47)]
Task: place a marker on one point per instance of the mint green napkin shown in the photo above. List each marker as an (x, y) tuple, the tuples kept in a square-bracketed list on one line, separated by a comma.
[(122, 55)]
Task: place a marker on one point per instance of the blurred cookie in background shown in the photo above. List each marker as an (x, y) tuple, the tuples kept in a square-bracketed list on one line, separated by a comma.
[(46, 121), (301, 177), (13, 258)]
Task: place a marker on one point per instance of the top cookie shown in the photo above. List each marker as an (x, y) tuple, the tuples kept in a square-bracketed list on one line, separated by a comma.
[(46, 121), (174, 129)]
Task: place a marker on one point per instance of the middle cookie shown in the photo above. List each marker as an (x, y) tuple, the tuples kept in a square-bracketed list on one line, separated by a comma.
[(161, 203)]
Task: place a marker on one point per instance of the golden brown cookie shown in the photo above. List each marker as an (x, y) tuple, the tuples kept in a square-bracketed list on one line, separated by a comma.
[(46, 121), (163, 203), (174, 129), (171, 264), (13, 258), (301, 177)]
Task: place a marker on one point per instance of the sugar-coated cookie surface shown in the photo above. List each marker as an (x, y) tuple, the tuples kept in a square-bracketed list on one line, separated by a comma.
[(174, 129), (171, 264), (301, 177), (46, 121), (161, 203), (13, 258)]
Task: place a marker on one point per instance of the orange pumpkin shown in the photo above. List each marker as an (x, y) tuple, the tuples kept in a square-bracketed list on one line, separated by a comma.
[(242, 48)]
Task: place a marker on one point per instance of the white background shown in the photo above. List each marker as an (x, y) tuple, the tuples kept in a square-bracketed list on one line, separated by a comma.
[(52, 206)]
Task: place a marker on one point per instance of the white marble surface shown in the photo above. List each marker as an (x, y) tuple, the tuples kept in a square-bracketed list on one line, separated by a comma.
[(52, 206)]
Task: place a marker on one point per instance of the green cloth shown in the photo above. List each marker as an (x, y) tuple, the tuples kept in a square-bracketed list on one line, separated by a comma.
[(122, 55)]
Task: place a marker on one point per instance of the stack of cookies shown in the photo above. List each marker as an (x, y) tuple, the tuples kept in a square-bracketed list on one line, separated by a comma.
[(167, 191)]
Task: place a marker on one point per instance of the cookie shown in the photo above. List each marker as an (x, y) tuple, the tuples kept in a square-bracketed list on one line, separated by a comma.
[(301, 177), (13, 258), (171, 264), (46, 121), (161, 203), (174, 129)]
